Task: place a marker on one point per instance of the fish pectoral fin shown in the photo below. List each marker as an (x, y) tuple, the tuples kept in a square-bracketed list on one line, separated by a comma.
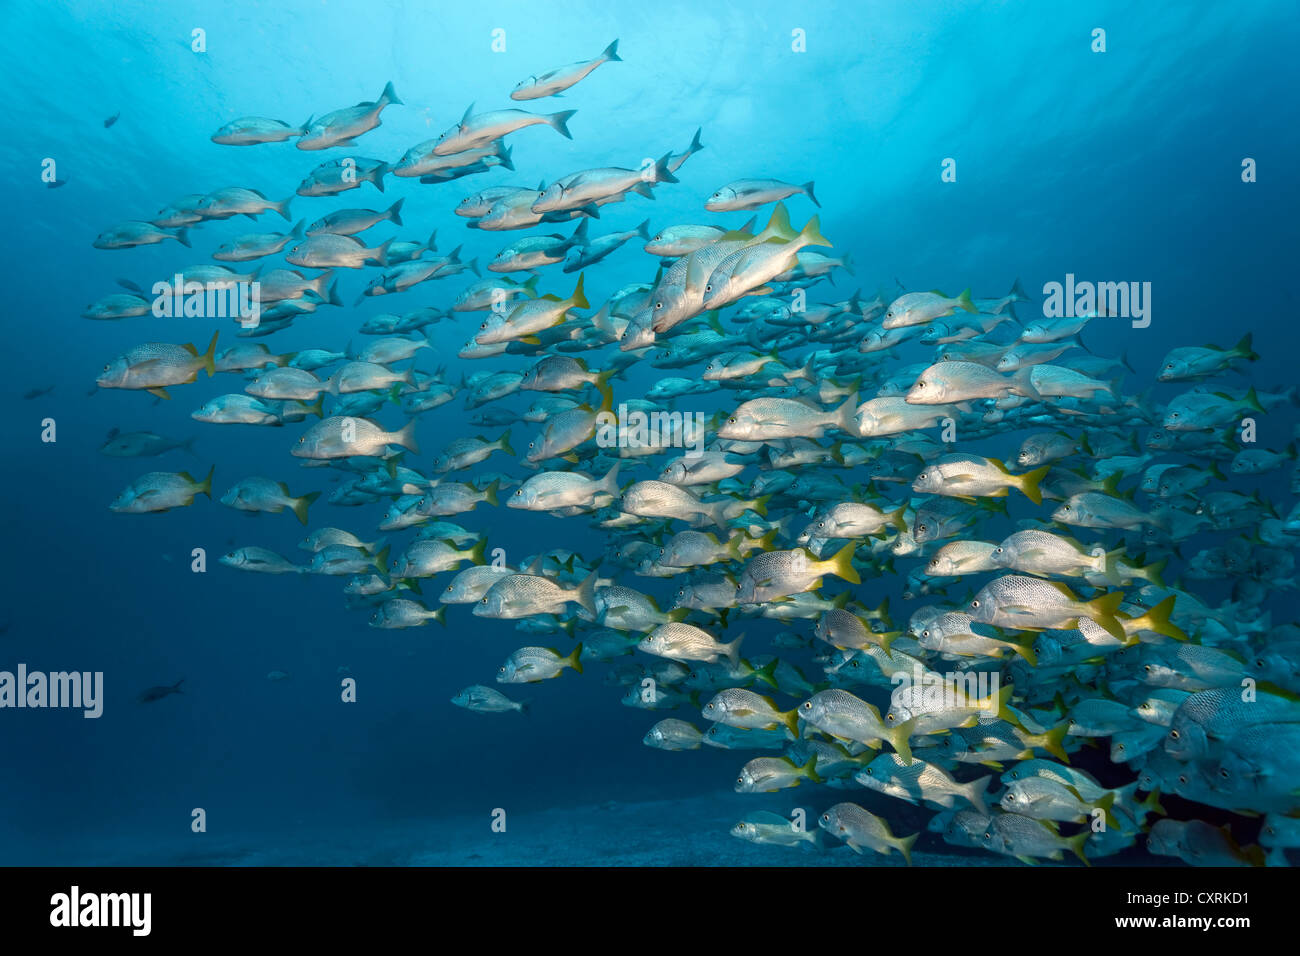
[(159, 393)]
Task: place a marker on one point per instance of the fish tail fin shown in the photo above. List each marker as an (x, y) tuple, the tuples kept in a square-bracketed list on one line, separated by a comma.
[(609, 484), (176, 687), (525, 706), (376, 175), (809, 770), (300, 505), (317, 407), (1054, 741), (381, 559), (904, 846), (586, 593), (1102, 611), (642, 230), (808, 191), (381, 253), (1025, 648), (964, 301), (602, 385), (1028, 483), (406, 437), (394, 212), (1105, 805), (766, 673), (842, 564), (900, 737), (504, 443), (560, 122), (779, 224), (1110, 568), (210, 356), (663, 174), (1017, 293), (204, 487), (846, 263), (845, 414), (610, 53), (1003, 701), (389, 97), (974, 792), (490, 493), (579, 299), (898, 517), (1243, 349), (1153, 572), (732, 650), (478, 553), (811, 233), (183, 237), (790, 719), (282, 207), (1076, 844), (1157, 619)]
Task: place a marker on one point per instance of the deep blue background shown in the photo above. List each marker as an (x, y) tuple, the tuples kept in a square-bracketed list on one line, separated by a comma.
[(1122, 165)]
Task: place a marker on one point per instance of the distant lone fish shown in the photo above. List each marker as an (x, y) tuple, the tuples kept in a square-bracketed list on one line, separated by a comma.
[(556, 81)]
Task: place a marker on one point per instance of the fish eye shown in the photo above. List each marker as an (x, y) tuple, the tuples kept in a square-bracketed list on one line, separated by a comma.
[(926, 632), (740, 780), (921, 476), (1173, 735), (974, 603), (485, 600), (731, 421)]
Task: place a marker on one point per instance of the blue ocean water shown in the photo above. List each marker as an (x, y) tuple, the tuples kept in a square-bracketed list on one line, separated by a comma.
[(1121, 165)]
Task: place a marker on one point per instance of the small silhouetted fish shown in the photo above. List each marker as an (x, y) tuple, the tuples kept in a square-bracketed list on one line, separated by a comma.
[(161, 691), (56, 184), (112, 119), (38, 392), (277, 675), (128, 284)]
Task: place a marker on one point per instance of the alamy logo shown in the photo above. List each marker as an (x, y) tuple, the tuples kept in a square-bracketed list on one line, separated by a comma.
[(102, 909), (1075, 300), (978, 689), (638, 429), (56, 689), (209, 300)]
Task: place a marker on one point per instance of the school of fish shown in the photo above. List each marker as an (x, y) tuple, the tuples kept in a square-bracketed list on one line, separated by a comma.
[(1046, 511)]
